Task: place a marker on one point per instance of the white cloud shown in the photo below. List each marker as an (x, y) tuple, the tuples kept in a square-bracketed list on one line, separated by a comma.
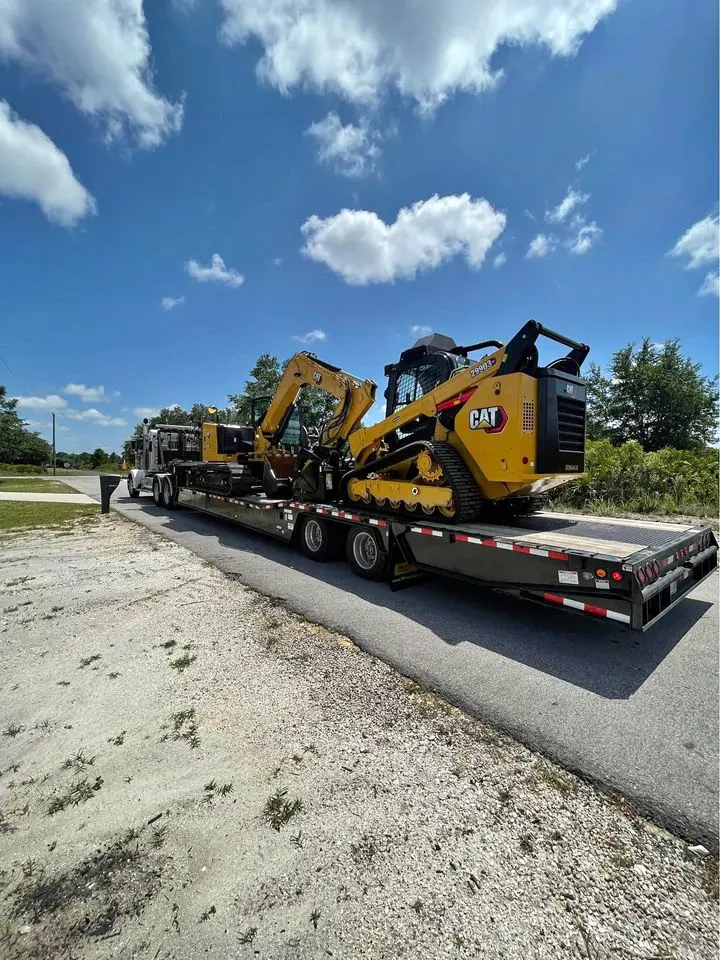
[(312, 336), (710, 286), (99, 52), (350, 150), (699, 243), (217, 272), (148, 412), (92, 415), (361, 248), (566, 206), (50, 402), (169, 303), (420, 330), (541, 246), (33, 168), (278, 261), (583, 161), (588, 234), (90, 394), (499, 260), (424, 49)]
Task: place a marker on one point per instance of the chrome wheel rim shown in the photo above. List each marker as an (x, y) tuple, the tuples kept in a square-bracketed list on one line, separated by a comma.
[(365, 551), (313, 535)]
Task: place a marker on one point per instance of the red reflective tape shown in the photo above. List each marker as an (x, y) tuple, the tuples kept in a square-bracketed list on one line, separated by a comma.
[(462, 537), (427, 531), (557, 556), (552, 598), (598, 611), (489, 543), (520, 549)]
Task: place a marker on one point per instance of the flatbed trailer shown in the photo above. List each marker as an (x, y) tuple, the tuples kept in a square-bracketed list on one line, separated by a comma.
[(629, 571)]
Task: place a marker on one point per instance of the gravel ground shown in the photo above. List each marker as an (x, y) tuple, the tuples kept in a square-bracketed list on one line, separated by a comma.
[(188, 770)]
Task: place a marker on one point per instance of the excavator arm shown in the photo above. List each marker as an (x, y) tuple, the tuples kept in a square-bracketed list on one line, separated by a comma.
[(355, 397)]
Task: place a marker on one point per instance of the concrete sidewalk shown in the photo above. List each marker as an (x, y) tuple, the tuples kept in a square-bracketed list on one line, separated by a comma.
[(49, 497)]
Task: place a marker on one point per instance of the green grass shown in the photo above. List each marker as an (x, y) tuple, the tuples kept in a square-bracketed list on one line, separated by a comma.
[(19, 514), (33, 485)]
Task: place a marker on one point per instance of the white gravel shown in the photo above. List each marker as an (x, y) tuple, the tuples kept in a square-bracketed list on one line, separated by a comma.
[(420, 833)]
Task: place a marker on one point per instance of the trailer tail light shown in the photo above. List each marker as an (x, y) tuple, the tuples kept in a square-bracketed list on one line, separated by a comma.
[(616, 576), (641, 575), (601, 572), (649, 573), (656, 568)]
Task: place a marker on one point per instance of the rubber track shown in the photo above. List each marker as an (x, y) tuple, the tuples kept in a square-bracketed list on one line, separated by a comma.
[(468, 499)]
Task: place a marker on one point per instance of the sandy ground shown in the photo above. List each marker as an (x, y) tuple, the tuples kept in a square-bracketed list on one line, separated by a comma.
[(189, 771)]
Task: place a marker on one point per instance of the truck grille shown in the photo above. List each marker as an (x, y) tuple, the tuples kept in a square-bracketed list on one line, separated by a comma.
[(571, 424)]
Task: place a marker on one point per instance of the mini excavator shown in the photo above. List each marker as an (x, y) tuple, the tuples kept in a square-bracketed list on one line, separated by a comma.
[(460, 436)]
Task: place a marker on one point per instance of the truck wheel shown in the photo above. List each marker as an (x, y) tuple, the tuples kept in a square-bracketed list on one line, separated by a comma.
[(168, 501), (131, 489), (316, 539), (365, 554), (157, 494)]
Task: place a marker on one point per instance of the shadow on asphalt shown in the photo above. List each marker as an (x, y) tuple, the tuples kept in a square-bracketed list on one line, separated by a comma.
[(599, 656)]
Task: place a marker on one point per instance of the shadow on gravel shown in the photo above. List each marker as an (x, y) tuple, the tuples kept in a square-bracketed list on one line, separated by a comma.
[(601, 657)]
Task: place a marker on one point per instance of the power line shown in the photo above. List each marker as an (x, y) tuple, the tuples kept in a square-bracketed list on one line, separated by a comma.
[(13, 375)]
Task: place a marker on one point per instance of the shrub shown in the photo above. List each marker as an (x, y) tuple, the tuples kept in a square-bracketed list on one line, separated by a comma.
[(666, 481), (16, 469)]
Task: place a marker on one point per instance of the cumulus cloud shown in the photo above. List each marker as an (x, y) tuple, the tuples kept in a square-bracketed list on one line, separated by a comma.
[(420, 330), (424, 49), (569, 202), (587, 235), (349, 149), (50, 402), (217, 272), (699, 244), (540, 246), (169, 303), (33, 168), (312, 336), (500, 260), (92, 415), (278, 261), (90, 394), (148, 412), (362, 248), (98, 52), (582, 162), (710, 286)]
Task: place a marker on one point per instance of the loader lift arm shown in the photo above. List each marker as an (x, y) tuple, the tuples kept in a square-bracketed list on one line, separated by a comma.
[(355, 397)]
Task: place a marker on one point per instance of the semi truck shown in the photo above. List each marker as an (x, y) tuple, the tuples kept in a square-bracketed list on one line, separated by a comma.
[(632, 572)]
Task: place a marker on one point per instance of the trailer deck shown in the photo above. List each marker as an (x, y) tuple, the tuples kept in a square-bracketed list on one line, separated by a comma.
[(629, 571)]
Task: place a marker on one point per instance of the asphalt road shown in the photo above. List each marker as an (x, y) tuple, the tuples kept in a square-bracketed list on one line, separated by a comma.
[(637, 713)]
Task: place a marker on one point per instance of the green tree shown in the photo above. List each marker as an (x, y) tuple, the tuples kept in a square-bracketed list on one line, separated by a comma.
[(98, 457), (17, 443), (655, 395)]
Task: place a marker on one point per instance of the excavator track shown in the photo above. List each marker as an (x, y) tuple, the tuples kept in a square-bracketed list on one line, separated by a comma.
[(466, 495)]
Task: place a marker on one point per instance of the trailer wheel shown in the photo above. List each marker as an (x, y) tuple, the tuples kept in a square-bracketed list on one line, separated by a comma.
[(316, 539), (168, 500), (157, 493), (365, 554), (131, 489)]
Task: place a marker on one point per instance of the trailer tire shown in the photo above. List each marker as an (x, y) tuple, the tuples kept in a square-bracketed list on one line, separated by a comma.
[(168, 500), (131, 489), (365, 554), (157, 493), (316, 539)]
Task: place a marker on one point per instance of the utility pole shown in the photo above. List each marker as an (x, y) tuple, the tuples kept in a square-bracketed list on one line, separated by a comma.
[(53, 416)]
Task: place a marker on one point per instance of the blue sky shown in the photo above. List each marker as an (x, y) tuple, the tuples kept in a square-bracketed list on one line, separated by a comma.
[(361, 170)]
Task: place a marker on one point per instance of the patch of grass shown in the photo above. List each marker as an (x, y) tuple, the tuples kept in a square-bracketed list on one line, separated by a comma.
[(417, 907), (13, 730), (225, 789), (118, 740), (278, 810), (206, 914), (80, 792), (158, 836), (18, 580), (184, 727), (21, 514), (526, 843), (78, 761), (504, 796), (314, 917), (365, 848), (622, 860), (553, 778), (556, 835), (63, 683), (168, 645), (56, 609), (248, 936), (297, 840), (86, 661), (33, 485), (114, 675), (183, 662)]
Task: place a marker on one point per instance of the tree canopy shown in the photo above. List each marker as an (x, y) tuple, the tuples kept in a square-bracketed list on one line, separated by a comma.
[(655, 395), (18, 444)]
